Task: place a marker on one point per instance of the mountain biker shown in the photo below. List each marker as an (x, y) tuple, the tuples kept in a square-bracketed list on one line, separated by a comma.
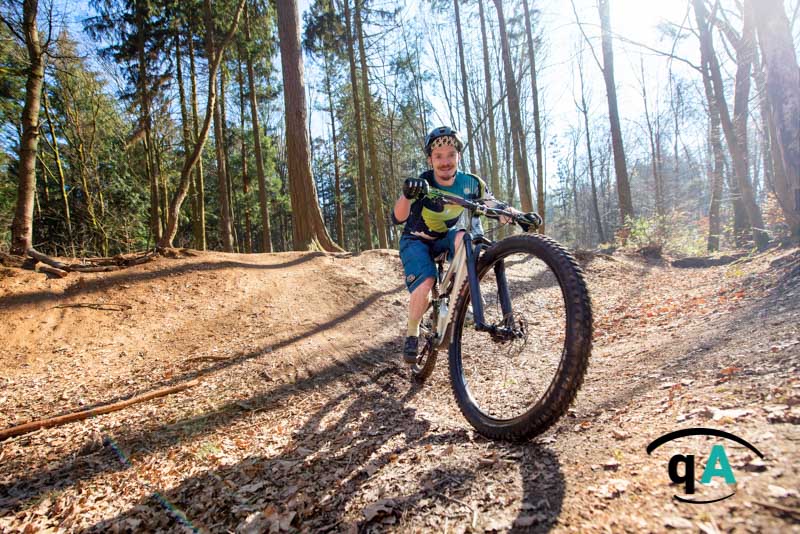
[(432, 228)]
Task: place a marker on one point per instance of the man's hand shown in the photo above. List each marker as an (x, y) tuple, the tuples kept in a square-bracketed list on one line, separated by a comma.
[(414, 188), (529, 222)]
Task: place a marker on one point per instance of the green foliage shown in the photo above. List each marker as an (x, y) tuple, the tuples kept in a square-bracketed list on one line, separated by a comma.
[(12, 90), (647, 232), (677, 234)]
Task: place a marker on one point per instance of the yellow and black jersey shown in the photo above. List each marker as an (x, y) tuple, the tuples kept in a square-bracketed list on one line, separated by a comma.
[(430, 219)]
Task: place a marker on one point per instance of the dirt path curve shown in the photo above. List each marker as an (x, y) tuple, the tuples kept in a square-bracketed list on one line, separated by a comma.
[(306, 421)]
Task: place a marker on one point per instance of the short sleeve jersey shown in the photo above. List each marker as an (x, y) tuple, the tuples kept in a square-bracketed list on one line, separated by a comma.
[(430, 219)]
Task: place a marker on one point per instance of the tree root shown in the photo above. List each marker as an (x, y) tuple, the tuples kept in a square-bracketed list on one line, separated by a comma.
[(88, 265)]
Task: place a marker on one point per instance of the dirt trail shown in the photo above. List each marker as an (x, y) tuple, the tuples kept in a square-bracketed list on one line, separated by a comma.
[(305, 420)]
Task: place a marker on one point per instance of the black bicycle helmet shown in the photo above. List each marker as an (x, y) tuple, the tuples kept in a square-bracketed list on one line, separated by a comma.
[(442, 131)]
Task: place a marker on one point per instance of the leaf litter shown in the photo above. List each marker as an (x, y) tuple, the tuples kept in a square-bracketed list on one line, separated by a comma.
[(306, 421)]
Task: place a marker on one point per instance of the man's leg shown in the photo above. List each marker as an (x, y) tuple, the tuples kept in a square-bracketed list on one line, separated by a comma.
[(417, 304), (459, 238), (420, 273)]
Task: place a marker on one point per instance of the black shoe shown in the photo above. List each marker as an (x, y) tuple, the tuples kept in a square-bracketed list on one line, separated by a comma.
[(410, 350)]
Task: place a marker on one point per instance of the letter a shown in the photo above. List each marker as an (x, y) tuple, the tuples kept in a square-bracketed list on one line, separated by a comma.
[(724, 470)]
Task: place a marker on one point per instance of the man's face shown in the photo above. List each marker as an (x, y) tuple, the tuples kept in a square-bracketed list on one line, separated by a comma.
[(444, 161)]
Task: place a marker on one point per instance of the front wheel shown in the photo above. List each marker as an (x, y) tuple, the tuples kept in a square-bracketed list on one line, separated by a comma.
[(515, 384)]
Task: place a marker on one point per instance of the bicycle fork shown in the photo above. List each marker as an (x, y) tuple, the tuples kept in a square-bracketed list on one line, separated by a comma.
[(504, 332)]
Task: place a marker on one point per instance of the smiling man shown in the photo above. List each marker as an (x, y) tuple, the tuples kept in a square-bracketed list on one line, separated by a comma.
[(430, 227)]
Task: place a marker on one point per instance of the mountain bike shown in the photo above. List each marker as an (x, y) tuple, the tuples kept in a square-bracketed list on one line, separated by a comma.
[(517, 318)]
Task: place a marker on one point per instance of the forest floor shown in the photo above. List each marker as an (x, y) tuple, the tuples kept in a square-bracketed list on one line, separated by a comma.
[(305, 419)]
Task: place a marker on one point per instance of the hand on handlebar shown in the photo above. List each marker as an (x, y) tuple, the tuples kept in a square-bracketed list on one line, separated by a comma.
[(529, 222), (414, 188)]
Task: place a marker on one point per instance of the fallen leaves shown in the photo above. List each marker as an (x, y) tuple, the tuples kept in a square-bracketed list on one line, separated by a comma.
[(269, 520), (612, 489), (281, 465), (611, 464), (379, 509), (524, 521), (779, 492), (677, 522), (728, 416), (620, 434)]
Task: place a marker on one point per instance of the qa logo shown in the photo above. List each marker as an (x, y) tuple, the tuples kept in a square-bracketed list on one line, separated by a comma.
[(717, 464)]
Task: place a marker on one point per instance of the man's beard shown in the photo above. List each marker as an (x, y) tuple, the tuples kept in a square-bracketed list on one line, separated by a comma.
[(446, 175)]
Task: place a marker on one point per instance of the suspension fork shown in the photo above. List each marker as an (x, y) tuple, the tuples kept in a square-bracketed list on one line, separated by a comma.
[(472, 254), (502, 292)]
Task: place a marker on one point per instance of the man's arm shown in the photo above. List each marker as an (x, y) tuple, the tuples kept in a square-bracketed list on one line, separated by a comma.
[(402, 208), (490, 201), (413, 189)]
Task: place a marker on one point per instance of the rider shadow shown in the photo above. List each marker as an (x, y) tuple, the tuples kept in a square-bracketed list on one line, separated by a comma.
[(347, 469)]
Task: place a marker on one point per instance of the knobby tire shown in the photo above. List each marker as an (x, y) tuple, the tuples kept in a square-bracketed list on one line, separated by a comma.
[(574, 358)]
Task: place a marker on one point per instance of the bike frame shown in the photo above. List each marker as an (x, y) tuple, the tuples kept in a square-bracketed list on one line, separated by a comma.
[(465, 264)]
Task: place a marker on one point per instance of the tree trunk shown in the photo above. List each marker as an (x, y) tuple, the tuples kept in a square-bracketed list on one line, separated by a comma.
[(718, 158), (537, 127), (225, 233), (652, 134), (378, 209), (308, 228), (394, 193), (263, 201), (574, 175), (744, 61), (223, 115), (77, 145), (584, 109), (62, 181), (198, 181), (337, 195), (22, 225), (144, 109), (248, 229), (783, 95), (419, 100), (771, 165), (508, 155), (620, 166), (362, 180), (191, 159), (465, 92), (186, 129), (163, 184), (517, 131), (676, 103), (714, 222), (736, 146), (494, 163), (775, 174)]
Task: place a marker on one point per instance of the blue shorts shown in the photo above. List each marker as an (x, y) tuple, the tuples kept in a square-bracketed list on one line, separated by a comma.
[(417, 255)]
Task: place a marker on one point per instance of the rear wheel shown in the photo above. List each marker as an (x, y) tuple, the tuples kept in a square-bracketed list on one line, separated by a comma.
[(426, 359), (517, 381)]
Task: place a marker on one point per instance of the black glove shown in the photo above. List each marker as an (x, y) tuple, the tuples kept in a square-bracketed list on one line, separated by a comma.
[(529, 222), (414, 188)]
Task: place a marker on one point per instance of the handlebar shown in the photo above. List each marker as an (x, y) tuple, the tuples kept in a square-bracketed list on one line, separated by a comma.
[(477, 207)]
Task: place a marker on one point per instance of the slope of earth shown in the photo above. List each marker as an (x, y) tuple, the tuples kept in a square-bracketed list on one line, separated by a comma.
[(304, 419)]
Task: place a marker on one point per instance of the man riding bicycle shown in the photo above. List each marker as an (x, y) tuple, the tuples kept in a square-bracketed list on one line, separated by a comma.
[(432, 228)]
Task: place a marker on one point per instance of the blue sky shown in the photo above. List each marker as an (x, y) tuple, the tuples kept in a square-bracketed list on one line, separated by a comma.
[(637, 20)]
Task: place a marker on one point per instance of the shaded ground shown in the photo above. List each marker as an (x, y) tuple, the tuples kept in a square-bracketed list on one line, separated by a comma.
[(306, 421)]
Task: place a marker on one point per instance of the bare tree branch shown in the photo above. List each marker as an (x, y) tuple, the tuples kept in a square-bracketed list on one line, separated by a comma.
[(11, 28), (580, 26)]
